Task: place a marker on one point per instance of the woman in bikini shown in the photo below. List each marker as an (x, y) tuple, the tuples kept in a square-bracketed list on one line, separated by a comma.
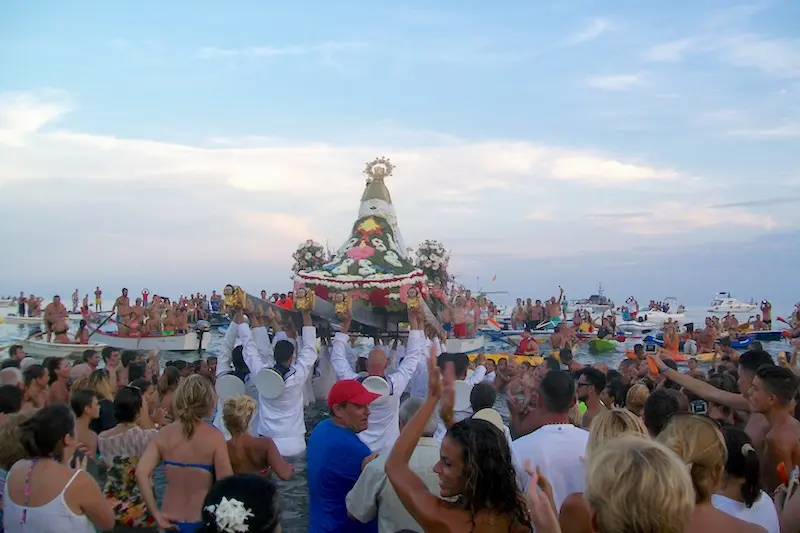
[(194, 453)]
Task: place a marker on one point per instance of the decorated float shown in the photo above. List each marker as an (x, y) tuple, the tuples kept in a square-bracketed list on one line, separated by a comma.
[(371, 273)]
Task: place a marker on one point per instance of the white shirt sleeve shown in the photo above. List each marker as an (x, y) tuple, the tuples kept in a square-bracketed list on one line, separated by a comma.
[(340, 365)]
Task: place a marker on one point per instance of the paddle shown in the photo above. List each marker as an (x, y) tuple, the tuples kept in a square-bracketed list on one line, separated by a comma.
[(103, 323)]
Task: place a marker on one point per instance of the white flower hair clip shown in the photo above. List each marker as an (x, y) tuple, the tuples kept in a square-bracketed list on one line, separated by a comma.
[(231, 515)]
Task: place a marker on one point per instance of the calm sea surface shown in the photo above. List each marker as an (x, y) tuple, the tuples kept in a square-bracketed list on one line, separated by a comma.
[(294, 493)]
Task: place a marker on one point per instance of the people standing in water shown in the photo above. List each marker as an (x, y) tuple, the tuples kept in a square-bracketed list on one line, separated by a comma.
[(194, 453)]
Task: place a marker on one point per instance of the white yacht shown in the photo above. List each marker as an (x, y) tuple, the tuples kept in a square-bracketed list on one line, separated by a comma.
[(595, 304), (723, 303)]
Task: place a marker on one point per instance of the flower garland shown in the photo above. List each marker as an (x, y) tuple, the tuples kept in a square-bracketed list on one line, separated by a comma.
[(309, 256), (433, 259)]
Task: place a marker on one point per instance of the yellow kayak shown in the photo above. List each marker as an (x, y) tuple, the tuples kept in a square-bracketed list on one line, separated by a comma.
[(532, 359)]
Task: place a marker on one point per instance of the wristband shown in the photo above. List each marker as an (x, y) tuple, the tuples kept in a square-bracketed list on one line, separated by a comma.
[(663, 370)]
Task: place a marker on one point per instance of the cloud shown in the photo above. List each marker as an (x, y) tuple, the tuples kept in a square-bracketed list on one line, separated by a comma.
[(776, 57), (153, 208), (592, 31), (619, 82), (254, 52), (22, 114), (671, 52), (785, 131), (757, 203), (671, 218)]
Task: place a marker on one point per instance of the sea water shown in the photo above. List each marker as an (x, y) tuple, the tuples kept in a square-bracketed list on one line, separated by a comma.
[(294, 495)]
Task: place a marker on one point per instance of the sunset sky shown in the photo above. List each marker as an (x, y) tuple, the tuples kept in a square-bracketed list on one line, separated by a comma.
[(651, 146)]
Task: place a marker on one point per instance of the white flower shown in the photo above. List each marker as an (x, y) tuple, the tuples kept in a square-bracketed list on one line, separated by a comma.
[(319, 253), (231, 516)]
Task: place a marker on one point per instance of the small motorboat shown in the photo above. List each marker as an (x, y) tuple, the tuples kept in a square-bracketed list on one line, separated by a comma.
[(24, 320), (723, 303), (5, 302), (636, 326), (41, 348), (766, 336), (596, 303)]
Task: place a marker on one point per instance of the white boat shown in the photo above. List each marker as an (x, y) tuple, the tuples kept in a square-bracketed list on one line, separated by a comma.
[(6, 303), (595, 304), (634, 326), (188, 342), (723, 303), (674, 313), (23, 320), (40, 348), (475, 344)]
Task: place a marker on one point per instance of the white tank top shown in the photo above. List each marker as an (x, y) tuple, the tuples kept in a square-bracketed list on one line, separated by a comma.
[(52, 517)]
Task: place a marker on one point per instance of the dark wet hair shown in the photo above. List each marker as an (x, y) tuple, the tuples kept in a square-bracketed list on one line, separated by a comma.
[(483, 396), (552, 363), (10, 399), (752, 360), (618, 390), (565, 354), (258, 494), (43, 433), (79, 400), (284, 350), (743, 463), (137, 370), (779, 381), (32, 373), (557, 391), (127, 404), (595, 377), (460, 362), (660, 406), (237, 358), (127, 357), (52, 367), (142, 384), (88, 354), (490, 479)]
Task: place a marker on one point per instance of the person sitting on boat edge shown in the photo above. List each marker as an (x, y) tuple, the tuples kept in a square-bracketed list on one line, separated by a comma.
[(528, 345), (384, 425)]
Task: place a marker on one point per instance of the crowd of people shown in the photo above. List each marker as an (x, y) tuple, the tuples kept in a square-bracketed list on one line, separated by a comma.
[(412, 442)]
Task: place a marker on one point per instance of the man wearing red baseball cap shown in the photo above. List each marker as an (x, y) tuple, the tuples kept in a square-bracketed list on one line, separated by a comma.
[(335, 458)]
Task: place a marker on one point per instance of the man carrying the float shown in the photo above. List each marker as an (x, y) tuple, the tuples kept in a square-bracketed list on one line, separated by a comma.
[(384, 418), (279, 376)]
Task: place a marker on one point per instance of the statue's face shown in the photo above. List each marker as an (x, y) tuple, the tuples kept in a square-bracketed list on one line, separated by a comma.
[(338, 298), (228, 290), (301, 293), (412, 292)]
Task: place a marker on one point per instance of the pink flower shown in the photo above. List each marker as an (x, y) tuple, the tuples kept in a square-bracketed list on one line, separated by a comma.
[(362, 251)]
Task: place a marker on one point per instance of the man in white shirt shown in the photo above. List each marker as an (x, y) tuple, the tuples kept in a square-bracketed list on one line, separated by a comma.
[(384, 425), (373, 494), (460, 362), (558, 448), (281, 418)]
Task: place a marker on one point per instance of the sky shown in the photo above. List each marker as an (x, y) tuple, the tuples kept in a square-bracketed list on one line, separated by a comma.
[(179, 146)]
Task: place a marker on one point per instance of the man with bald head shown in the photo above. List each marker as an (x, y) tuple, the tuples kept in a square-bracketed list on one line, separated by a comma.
[(384, 421)]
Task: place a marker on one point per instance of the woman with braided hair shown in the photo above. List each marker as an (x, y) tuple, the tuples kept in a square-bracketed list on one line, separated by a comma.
[(194, 453), (476, 472)]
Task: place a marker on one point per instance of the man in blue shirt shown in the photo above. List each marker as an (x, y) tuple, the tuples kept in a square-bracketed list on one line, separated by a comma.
[(335, 457)]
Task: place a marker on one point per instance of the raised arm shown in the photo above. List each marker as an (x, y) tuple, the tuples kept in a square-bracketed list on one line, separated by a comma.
[(412, 491), (224, 360), (250, 353), (701, 388), (340, 342), (307, 354), (480, 370), (415, 351)]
